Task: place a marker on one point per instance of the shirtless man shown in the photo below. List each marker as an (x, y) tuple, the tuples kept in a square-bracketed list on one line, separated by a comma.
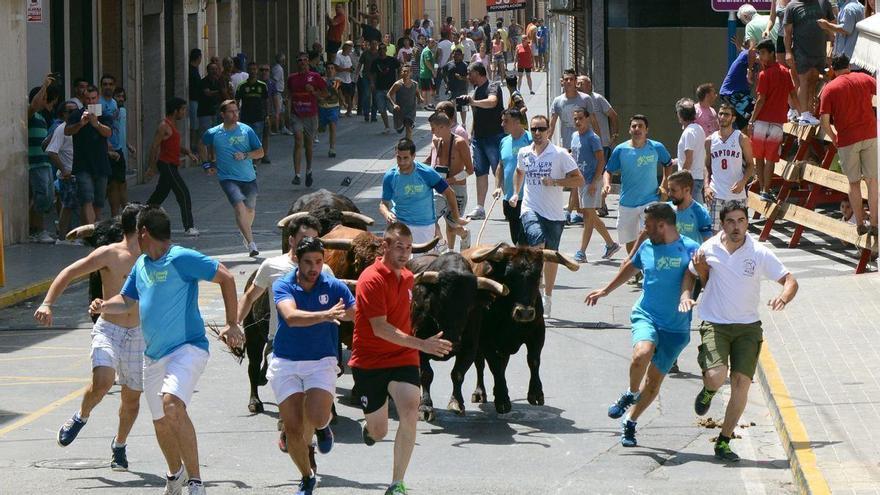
[(117, 341), (450, 156)]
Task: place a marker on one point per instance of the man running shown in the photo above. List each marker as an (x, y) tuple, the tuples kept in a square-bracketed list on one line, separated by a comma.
[(517, 137), (729, 164), (117, 341), (734, 265), (303, 88), (302, 366), (450, 157), (385, 354), (659, 330), (163, 285)]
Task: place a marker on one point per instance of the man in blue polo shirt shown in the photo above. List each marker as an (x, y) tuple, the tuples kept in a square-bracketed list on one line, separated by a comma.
[(164, 282), (302, 367), (408, 194), (232, 147), (517, 137), (659, 330)]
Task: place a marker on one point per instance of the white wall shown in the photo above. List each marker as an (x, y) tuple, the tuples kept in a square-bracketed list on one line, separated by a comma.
[(13, 136)]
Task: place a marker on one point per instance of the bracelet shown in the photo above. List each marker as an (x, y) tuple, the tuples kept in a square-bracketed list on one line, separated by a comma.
[(44, 303)]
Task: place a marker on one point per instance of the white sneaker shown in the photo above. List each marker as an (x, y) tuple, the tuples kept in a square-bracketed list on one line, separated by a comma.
[(548, 305), (63, 242), (174, 486), (477, 213), (808, 119), (192, 231), (286, 131), (793, 116), (41, 238), (195, 488)]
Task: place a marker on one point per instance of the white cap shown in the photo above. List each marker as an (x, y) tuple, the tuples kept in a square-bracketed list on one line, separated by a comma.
[(745, 13)]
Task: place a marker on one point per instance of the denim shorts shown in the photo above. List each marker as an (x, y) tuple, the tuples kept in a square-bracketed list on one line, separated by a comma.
[(538, 230), (258, 128), (67, 191), (91, 189), (667, 344), (193, 113), (42, 192), (486, 152), (380, 100), (238, 192), (327, 116)]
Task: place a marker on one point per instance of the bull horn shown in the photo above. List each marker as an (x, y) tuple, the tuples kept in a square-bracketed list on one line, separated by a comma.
[(557, 257), (81, 232), (358, 217), (351, 284), (341, 244), (284, 221), (424, 248), (492, 286), (482, 254), (429, 277)]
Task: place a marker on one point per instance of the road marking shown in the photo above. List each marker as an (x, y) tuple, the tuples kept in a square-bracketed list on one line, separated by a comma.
[(30, 418), (41, 356), (791, 430)]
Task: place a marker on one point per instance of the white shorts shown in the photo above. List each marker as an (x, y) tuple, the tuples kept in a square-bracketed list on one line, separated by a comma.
[(630, 223), (119, 348), (295, 377), (588, 200), (422, 234), (175, 374)]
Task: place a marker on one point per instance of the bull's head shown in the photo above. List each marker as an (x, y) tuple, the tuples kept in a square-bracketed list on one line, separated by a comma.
[(98, 234), (328, 217), (519, 269)]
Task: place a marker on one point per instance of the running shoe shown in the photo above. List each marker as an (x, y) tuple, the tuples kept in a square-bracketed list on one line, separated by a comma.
[(295, 180), (325, 440), (41, 238), (674, 368), (331, 153), (309, 179), (628, 438), (396, 489), (703, 401), (174, 484), (346, 181), (119, 461), (618, 408), (253, 252), (317, 141), (478, 213), (793, 116), (192, 231), (195, 487), (286, 131), (531, 92), (307, 486), (808, 119), (767, 196), (610, 249), (580, 257), (576, 218), (368, 440), (265, 161), (724, 453), (69, 430)]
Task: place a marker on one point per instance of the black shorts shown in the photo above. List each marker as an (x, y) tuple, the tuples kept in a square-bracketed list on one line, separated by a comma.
[(117, 169), (347, 88), (332, 48), (524, 69), (426, 84), (371, 386), (780, 44)]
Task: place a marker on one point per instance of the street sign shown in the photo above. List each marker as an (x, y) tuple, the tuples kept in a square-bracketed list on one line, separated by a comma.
[(734, 5), (35, 11), (502, 5)]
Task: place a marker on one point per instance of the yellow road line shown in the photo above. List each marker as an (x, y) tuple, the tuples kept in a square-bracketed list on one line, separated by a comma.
[(16, 296), (41, 356), (791, 430), (30, 418)]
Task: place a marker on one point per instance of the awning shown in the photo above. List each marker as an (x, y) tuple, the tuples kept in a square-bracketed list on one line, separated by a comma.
[(867, 51)]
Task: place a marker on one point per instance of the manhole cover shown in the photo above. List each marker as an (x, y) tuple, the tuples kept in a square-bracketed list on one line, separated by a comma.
[(72, 464)]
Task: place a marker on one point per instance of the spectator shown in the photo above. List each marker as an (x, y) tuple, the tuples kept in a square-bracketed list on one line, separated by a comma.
[(365, 82), (775, 24), (407, 194), (691, 154), (117, 194), (447, 30), (498, 57), (122, 123), (805, 49), (232, 147), (370, 29), (488, 104), (195, 93), (517, 137), (444, 55), (482, 57), (91, 164), (542, 39), (525, 61), (467, 46), (384, 72), (505, 37), (344, 74), (211, 95), (427, 25), (252, 96), (729, 165), (846, 102), (80, 86), (336, 27), (405, 53), (316, 64), (755, 24), (563, 106), (269, 109), (236, 76), (278, 77), (427, 72), (774, 90), (736, 89), (514, 34), (164, 158), (60, 153), (116, 189), (542, 170), (389, 46), (850, 12), (404, 98), (303, 87), (707, 118)]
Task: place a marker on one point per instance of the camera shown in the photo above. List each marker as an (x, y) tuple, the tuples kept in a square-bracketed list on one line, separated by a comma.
[(463, 100)]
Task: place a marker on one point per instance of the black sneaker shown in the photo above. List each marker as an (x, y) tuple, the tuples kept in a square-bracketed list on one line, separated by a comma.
[(674, 368), (325, 440), (723, 452), (309, 179), (69, 430), (346, 181), (768, 197), (119, 461), (628, 438), (295, 180), (703, 401), (602, 211), (368, 440), (307, 486), (265, 161), (623, 403)]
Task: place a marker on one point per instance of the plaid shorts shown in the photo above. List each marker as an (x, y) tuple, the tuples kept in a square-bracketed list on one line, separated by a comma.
[(121, 349)]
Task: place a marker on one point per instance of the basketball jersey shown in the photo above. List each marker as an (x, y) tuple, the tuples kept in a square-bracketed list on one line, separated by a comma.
[(727, 166)]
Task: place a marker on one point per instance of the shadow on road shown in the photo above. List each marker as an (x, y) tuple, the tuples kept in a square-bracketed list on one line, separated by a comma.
[(668, 457)]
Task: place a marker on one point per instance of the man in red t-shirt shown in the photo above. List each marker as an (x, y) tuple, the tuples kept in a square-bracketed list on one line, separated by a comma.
[(303, 88), (846, 102), (385, 354), (525, 60), (775, 88), (336, 31)]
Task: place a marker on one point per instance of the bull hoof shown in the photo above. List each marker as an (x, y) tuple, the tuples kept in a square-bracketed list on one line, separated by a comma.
[(426, 413), (536, 399), (478, 397), (503, 406), (456, 406), (255, 406)]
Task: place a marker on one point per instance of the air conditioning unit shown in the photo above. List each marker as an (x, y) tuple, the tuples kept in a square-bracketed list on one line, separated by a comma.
[(562, 6)]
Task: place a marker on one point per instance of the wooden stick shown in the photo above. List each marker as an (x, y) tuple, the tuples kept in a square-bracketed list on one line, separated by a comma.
[(485, 221)]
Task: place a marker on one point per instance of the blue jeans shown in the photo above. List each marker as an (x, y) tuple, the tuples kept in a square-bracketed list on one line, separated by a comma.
[(486, 152), (91, 189), (42, 191), (697, 191), (365, 97), (537, 230)]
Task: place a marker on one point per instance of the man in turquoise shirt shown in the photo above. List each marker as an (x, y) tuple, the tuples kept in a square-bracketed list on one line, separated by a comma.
[(516, 137), (164, 282), (231, 148)]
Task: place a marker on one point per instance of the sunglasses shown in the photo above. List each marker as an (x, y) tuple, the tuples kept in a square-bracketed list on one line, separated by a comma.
[(539, 129)]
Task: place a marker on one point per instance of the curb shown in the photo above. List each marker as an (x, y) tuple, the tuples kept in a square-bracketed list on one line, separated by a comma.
[(791, 430), (35, 289)]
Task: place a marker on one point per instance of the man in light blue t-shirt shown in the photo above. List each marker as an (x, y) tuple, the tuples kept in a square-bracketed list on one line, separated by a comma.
[(516, 137), (659, 330), (636, 161), (231, 149), (164, 283), (408, 194)]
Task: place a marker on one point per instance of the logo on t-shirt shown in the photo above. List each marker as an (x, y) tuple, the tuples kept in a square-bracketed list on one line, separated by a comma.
[(153, 277), (749, 267), (667, 263), (323, 298)]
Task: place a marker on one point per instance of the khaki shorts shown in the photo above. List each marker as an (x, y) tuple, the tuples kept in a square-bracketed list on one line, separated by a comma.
[(859, 160), (736, 345), (306, 125)]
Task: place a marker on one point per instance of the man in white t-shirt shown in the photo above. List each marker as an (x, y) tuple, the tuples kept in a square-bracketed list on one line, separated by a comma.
[(60, 151), (691, 145), (444, 55), (542, 170), (344, 72), (732, 265)]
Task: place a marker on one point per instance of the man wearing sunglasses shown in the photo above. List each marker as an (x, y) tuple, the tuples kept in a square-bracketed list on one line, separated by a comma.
[(542, 170)]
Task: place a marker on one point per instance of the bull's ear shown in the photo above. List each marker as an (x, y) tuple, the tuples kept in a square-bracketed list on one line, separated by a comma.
[(480, 255), (557, 257)]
